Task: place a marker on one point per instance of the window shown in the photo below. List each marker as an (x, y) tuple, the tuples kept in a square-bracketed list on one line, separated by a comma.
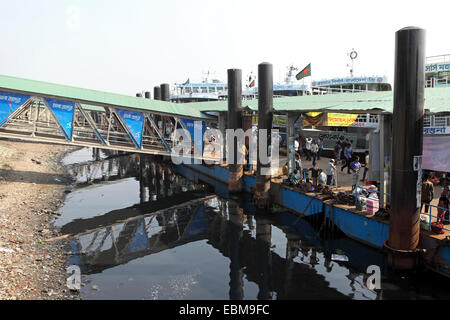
[(195, 89), (373, 118), (204, 89), (427, 121), (440, 121), (361, 118)]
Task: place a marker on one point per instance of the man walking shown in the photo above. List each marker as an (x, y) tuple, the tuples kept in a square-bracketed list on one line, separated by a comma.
[(366, 165), (314, 150), (320, 144), (337, 152), (355, 166), (347, 157)]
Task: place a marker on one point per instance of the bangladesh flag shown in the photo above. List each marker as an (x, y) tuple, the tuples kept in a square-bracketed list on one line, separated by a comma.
[(252, 84), (306, 72), (187, 82)]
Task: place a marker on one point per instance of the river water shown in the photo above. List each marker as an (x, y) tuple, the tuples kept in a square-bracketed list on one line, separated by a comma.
[(168, 237)]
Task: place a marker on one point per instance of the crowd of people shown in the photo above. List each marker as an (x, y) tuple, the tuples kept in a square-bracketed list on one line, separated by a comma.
[(316, 176), (443, 206), (310, 177)]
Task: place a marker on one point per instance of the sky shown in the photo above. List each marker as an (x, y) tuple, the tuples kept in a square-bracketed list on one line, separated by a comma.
[(131, 46)]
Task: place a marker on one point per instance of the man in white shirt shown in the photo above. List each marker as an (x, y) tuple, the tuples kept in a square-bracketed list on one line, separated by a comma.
[(308, 148), (314, 150), (331, 172)]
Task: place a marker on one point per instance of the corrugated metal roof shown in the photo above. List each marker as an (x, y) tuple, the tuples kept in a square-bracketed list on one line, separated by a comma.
[(96, 98), (437, 100)]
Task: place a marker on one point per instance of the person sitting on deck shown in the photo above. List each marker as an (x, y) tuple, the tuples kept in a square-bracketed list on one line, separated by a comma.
[(322, 178), (309, 186), (285, 169), (315, 171), (443, 215), (294, 178), (331, 172)]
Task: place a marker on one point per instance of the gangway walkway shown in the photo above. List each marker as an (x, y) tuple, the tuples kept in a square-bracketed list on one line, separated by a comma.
[(45, 112)]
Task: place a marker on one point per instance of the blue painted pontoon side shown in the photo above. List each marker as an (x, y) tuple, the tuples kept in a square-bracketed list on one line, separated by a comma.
[(359, 227)]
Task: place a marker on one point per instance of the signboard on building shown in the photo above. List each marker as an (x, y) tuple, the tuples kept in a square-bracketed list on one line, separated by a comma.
[(348, 80), (318, 119), (436, 130), (329, 138), (278, 120), (437, 67), (341, 119)]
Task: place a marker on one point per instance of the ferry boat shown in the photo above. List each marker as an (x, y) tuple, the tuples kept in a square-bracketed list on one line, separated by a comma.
[(205, 90), (216, 90)]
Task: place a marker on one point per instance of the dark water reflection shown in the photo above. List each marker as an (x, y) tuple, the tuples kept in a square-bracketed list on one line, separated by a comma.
[(160, 238)]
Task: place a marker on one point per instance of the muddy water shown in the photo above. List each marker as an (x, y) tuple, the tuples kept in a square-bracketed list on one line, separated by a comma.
[(166, 237)]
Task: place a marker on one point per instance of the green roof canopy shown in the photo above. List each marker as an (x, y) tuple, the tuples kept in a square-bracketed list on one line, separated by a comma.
[(94, 98), (437, 100)]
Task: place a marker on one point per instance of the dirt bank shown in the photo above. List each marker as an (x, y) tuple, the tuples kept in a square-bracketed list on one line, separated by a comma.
[(32, 187)]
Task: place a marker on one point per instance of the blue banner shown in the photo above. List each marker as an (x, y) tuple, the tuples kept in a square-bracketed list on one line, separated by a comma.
[(197, 130), (64, 112), (135, 123), (9, 102)]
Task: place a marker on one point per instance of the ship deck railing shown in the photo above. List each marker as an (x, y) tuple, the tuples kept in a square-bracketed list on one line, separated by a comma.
[(430, 216)]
